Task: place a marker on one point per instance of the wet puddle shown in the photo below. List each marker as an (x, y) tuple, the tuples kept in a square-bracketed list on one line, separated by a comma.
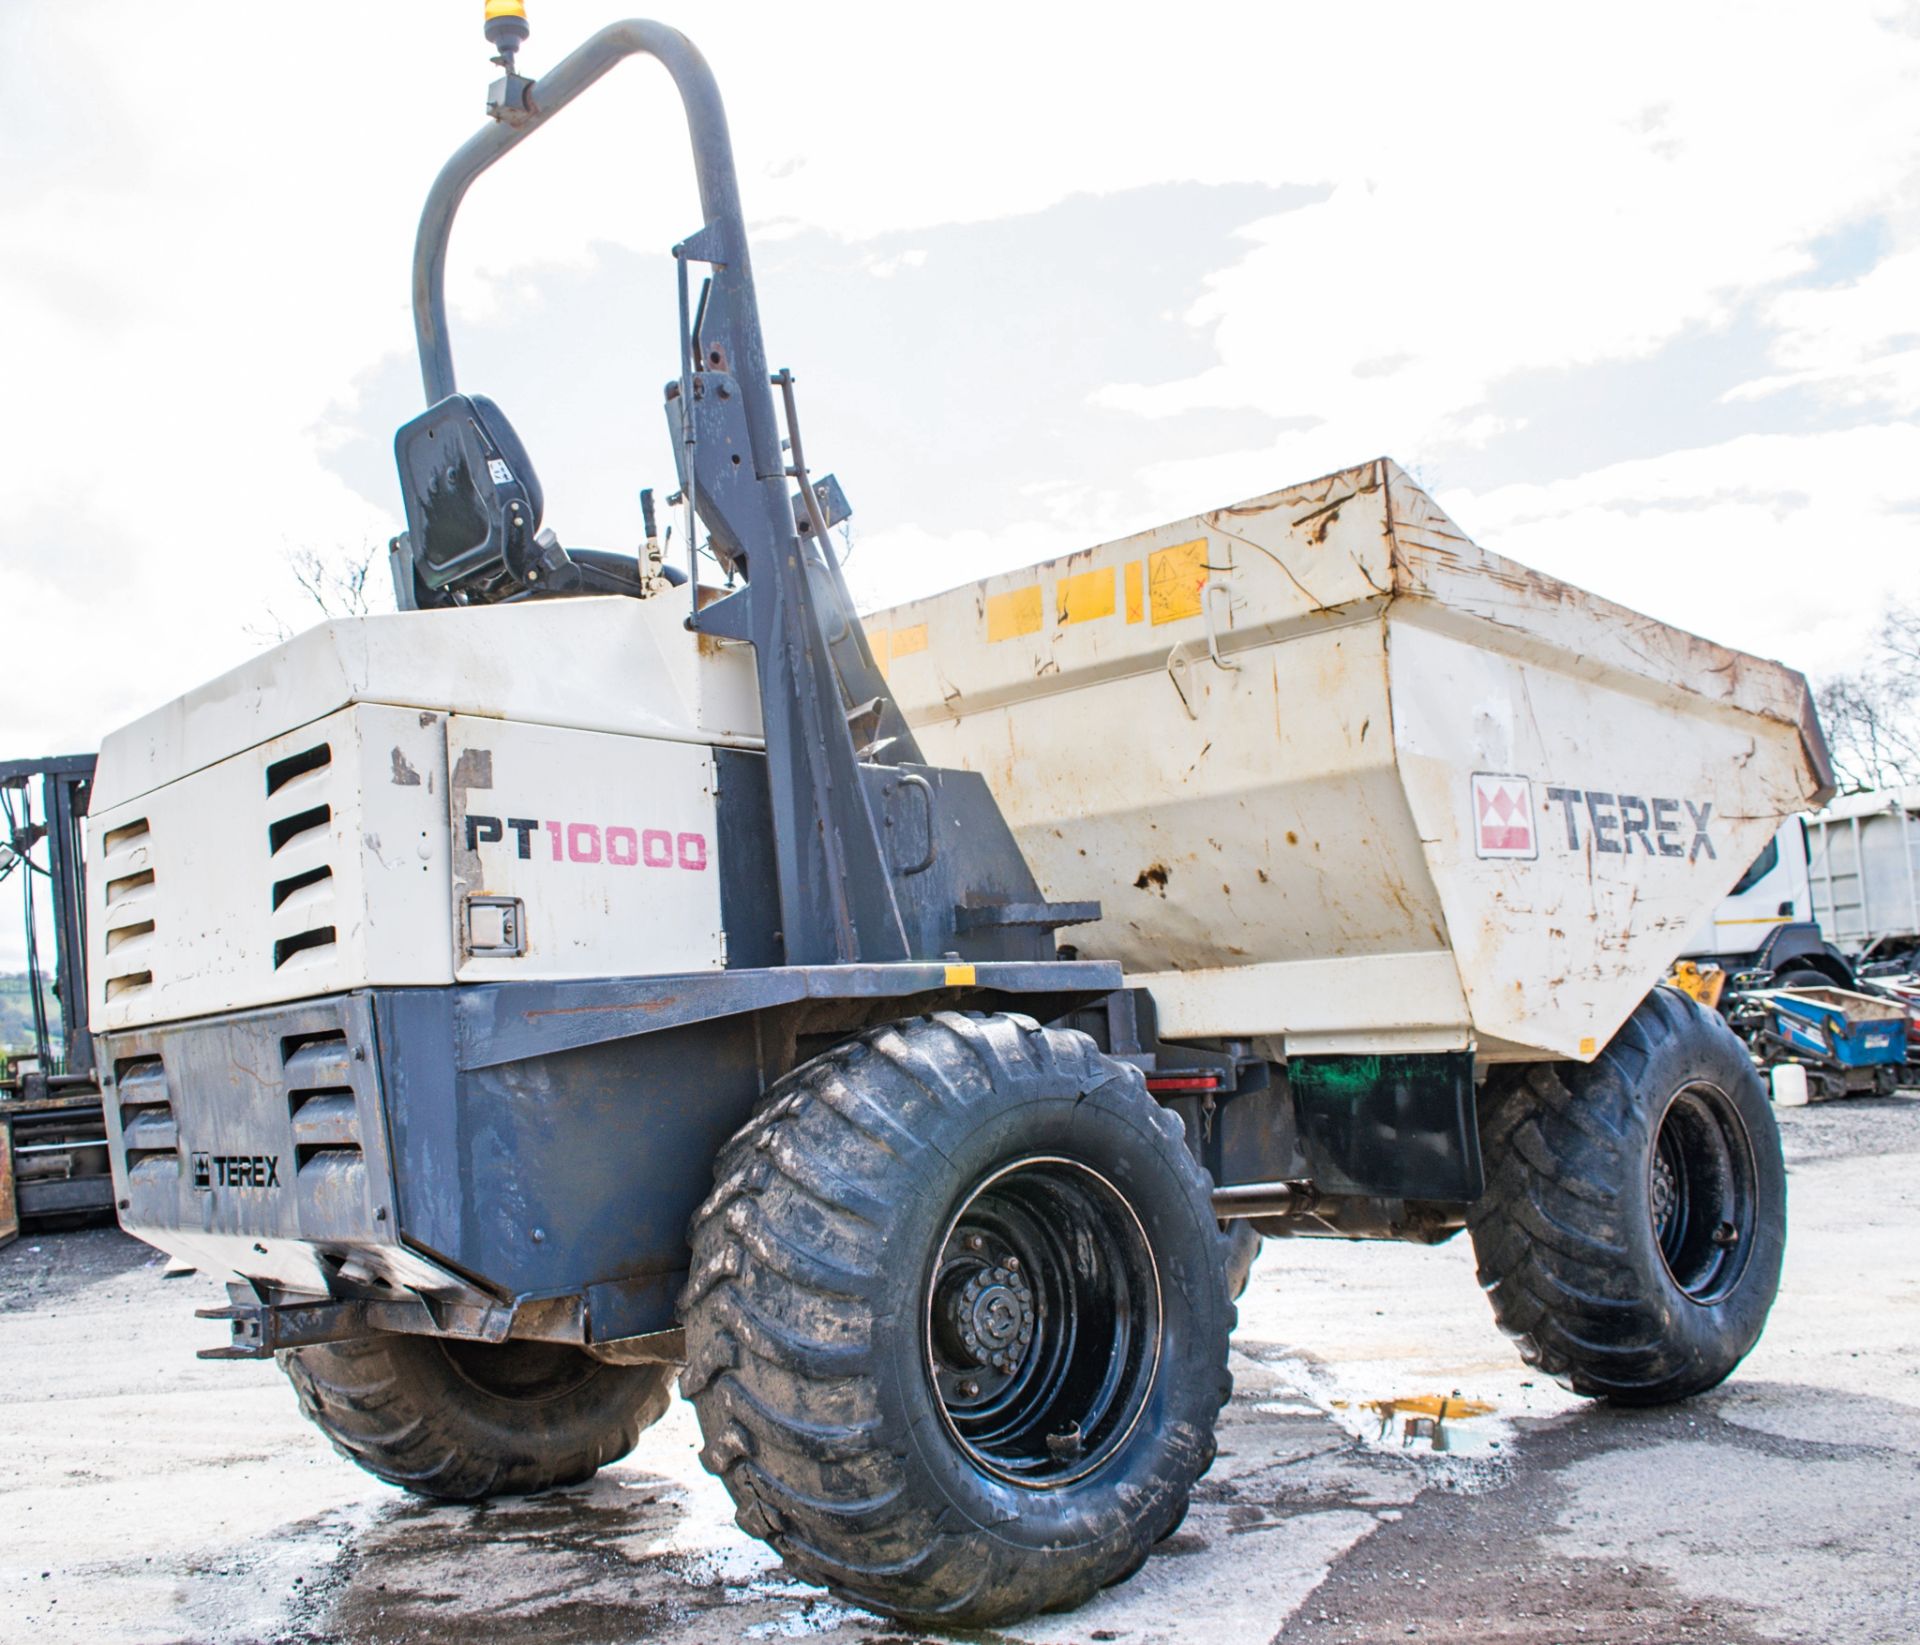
[(1423, 1417), (1461, 1432)]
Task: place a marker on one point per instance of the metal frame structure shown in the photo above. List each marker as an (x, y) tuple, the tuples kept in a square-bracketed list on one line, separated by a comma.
[(56, 1136), (64, 782)]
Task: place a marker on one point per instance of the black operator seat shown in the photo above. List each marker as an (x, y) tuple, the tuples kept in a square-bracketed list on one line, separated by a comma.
[(473, 501), (474, 508)]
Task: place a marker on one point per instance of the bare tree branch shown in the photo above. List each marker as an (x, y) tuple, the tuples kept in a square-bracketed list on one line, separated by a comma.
[(1872, 714), (340, 584)]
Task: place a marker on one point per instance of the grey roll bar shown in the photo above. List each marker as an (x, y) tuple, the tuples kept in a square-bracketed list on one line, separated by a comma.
[(719, 202), (838, 903)]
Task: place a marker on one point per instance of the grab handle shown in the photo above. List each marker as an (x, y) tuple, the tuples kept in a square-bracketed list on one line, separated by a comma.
[(911, 779)]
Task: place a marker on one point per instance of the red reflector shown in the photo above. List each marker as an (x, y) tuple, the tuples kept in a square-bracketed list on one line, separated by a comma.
[(1183, 1082)]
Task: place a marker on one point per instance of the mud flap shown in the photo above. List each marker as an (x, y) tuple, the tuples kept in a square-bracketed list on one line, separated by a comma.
[(1402, 1127)]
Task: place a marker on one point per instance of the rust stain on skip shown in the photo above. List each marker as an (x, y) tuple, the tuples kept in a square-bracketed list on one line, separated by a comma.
[(1216, 519)]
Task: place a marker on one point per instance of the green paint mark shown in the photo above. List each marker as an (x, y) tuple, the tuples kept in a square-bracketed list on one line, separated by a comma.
[(1347, 1075)]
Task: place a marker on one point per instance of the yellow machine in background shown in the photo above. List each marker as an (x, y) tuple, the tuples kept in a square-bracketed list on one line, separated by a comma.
[(1705, 983)]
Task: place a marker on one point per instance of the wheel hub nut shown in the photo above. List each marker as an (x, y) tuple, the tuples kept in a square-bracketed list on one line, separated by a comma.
[(995, 1311), (1664, 1195)]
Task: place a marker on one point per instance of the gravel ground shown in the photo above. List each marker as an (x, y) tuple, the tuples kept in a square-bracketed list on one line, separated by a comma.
[(154, 1498)]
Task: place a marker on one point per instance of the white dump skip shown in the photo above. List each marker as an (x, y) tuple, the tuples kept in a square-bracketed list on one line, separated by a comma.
[(1345, 782)]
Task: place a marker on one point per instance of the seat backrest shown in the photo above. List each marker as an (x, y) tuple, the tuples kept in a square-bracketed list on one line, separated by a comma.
[(472, 498)]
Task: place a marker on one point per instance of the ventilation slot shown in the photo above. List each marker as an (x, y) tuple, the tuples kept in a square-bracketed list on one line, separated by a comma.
[(289, 947), (127, 943), (147, 1126), (326, 1114), (142, 1080), (303, 923), (325, 1119), (315, 1060), (127, 889), (283, 889), (118, 936), (303, 896), (295, 766), (326, 1125), (149, 1133), (288, 829), (118, 839)]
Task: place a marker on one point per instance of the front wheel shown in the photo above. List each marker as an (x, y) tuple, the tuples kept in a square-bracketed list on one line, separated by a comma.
[(462, 1421), (957, 1321), (1634, 1219)]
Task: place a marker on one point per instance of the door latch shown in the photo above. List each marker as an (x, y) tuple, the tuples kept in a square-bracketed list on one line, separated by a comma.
[(496, 927)]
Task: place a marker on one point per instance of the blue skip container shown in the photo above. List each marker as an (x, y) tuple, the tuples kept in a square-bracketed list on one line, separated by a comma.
[(1853, 1030)]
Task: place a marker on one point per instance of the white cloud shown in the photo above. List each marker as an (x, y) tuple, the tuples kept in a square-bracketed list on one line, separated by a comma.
[(1788, 546), (1540, 220), (1856, 343)]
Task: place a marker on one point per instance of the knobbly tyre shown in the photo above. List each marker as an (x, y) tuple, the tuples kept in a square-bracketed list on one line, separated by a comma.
[(582, 976)]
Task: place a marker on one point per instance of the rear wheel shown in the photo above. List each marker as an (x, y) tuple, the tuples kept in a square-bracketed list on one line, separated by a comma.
[(466, 1420), (1633, 1224), (957, 1322)]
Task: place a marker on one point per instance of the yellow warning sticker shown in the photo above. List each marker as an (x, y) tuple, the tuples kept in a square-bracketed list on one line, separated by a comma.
[(1085, 596), (1175, 578), (1014, 613), (960, 976), (1587, 1046), (1136, 607)]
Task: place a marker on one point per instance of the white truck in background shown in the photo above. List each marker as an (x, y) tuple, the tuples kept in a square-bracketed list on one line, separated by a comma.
[(1832, 894), (1864, 876), (1772, 921)]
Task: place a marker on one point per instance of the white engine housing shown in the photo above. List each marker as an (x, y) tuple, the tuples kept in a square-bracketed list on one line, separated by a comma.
[(373, 820)]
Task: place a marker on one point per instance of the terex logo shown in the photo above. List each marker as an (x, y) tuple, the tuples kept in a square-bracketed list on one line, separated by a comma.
[(1617, 821), (1503, 816), (1591, 819), (585, 842), (211, 1171)]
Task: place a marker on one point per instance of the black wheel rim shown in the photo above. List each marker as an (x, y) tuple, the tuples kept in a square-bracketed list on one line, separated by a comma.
[(526, 1371), (1042, 1322), (1700, 1193)]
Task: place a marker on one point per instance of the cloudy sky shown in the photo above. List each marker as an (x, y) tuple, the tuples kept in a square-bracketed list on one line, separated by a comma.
[(1634, 290)]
